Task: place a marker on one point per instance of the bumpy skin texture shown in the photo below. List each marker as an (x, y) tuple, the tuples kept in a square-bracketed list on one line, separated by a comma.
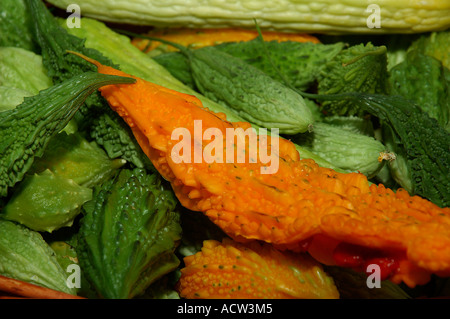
[(422, 78), (46, 202), (291, 206), (425, 143), (255, 96), (26, 256), (230, 270), (348, 150), (299, 62), (26, 130), (360, 68), (402, 16), (139, 226), (94, 116)]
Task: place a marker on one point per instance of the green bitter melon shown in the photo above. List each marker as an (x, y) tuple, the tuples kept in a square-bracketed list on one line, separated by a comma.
[(26, 130)]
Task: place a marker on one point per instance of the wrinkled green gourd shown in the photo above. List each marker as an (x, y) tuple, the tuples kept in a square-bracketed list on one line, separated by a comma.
[(16, 25), (426, 81), (251, 93), (359, 68), (16, 80), (46, 202), (326, 16), (299, 62), (424, 144), (71, 156), (26, 130), (23, 69), (348, 150), (139, 225), (399, 169), (254, 95), (10, 97), (118, 48), (26, 256), (95, 117), (67, 257)]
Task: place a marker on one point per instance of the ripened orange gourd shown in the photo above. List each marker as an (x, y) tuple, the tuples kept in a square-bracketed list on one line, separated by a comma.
[(334, 216), (198, 38), (227, 269)]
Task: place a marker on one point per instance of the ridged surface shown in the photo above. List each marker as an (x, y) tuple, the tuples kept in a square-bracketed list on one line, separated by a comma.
[(231, 270), (298, 201), (290, 15)]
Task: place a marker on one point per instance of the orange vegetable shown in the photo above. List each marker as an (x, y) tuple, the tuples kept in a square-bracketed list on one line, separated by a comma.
[(197, 38), (292, 206), (13, 288), (223, 270)]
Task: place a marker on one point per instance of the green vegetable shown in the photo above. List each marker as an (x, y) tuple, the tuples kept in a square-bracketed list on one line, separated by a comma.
[(71, 156), (326, 16), (46, 202), (300, 62), (26, 256), (178, 66), (353, 124), (131, 60), (436, 45), (26, 130), (348, 150), (15, 67), (399, 169), (424, 80), (128, 235), (10, 97), (95, 117), (16, 26), (256, 96), (16, 81), (360, 68), (425, 143), (66, 256)]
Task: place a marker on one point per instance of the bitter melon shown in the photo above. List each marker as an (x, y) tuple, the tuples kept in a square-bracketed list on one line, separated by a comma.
[(26, 130), (253, 94), (401, 16), (26, 256), (94, 117), (299, 62), (136, 215), (348, 150)]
